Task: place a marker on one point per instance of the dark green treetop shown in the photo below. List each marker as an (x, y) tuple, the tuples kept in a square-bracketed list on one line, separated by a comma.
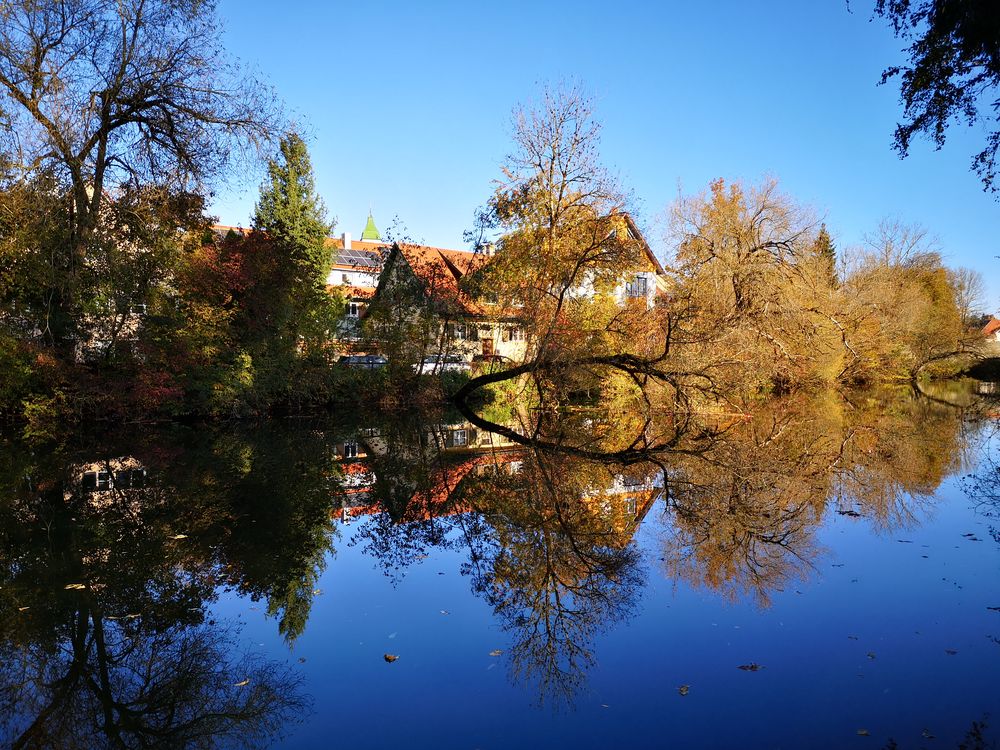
[(827, 252), (291, 212)]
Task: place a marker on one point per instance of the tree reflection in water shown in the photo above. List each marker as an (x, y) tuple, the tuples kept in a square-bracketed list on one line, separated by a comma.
[(547, 511), (107, 569), (111, 556)]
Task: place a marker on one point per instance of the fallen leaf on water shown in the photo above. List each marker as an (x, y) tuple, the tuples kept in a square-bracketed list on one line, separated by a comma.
[(21, 609), (853, 637), (864, 733), (683, 689), (496, 652), (179, 536), (994, 609), (870, 655), (927, 735), (302, 660), (904, 541), (390, 658), (242, 684), (950, 651), (445, 612), (751, 667), (74, 586), (317, 592)]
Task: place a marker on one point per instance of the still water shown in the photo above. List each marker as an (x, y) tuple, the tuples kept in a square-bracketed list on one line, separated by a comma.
[(818, 573)]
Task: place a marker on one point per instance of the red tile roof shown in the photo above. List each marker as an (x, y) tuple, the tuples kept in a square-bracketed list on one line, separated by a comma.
[(440, 272), (992, 327)]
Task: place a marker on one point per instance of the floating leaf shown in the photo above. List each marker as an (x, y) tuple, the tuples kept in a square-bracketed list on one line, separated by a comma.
[(683, 689), (496, 652), (179, 536), (244, 683), (751, 667), (950, 651), (390, 658), (864, 733), (445, 612), (993, 609), (871, 655), (21, 609), (74, 586), (927, 735), (853, 637)]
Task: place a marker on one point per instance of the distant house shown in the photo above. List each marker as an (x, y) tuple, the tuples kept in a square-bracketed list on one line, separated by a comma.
[(991, 333), (355, 271), (419, 280), (421, 287)]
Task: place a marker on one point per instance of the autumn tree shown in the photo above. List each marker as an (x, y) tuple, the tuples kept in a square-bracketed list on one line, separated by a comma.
[(970, 292), (561, 242), (908, 314), (104, 98)]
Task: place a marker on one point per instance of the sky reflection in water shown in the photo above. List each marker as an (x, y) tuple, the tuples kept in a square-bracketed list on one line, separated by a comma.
[(532, 597)]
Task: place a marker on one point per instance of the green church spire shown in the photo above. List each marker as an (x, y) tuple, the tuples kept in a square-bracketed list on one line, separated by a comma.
[(371, 233)]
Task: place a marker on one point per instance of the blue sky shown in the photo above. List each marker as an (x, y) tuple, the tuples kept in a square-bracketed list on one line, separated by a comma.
[(408, 106)]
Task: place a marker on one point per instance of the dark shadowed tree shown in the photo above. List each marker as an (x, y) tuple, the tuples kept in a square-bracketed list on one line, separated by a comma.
[(112, 95), (953, 72)]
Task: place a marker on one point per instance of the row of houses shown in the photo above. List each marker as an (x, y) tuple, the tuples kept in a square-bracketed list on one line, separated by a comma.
[(371, 271)]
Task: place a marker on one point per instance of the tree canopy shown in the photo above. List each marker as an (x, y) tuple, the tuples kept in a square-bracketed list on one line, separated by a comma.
[(952, 75)]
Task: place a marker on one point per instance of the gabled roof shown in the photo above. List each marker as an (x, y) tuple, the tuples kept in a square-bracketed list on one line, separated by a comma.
[(992, 327), (634, 232), (439, 271)]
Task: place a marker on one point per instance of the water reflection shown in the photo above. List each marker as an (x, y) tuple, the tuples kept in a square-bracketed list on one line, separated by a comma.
[(107, 566), (113, 552)]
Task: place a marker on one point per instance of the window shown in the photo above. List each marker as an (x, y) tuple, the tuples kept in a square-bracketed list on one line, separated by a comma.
[(96, 481), (630, 506), (350, 450), (458, 332), (345, 278), (636, 287), (513, 333), (460, 437), (352, 309)]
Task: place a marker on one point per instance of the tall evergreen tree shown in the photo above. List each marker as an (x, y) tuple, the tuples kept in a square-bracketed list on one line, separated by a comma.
[(293, 225), (291, 213), (827, 252)]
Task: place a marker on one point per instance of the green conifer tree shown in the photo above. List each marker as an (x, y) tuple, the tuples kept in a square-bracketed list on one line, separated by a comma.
[(294, 220), (827, 252), (291, 213)]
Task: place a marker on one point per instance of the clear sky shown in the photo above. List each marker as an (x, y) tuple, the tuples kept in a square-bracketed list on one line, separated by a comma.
[(408, 105)]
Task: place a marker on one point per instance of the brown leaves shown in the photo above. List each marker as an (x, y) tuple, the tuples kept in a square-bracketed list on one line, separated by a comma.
[(390, 658), (751, 667)]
